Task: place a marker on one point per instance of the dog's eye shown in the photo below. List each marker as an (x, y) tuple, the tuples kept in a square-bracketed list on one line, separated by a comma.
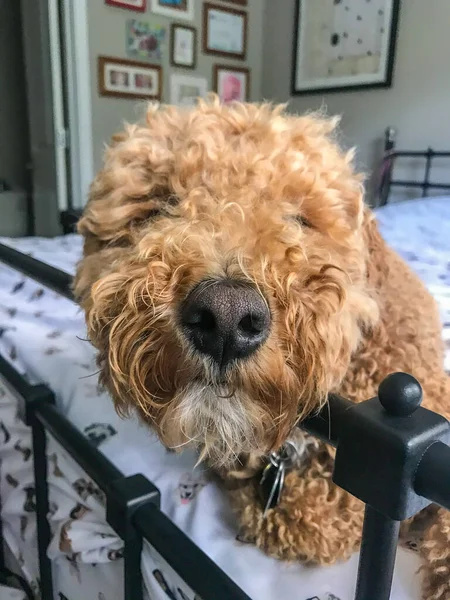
[(303, 221)]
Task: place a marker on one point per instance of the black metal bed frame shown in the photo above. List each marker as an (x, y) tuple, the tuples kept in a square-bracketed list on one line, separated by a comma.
[(390, 158), (391, 453)]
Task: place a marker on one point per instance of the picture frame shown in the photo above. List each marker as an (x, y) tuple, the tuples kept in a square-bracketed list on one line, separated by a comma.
[(174, 9), (183, 46), (130, 79), (225, 31), (136, 5), (145, 40), (241, 2), (350, 46), (231, 84), (185, 89)]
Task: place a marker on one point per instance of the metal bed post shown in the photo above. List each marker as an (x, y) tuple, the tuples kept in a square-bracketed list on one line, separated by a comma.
[(387, 165), (390, 135), (2, 552), (34, 396), (393, 455), (41, 394), (123, 494), (127, 495), (377, 556), (426, 181)]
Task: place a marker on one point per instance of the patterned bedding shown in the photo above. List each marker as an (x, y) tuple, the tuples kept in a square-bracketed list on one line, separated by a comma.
[(42, 334), (419, 230)]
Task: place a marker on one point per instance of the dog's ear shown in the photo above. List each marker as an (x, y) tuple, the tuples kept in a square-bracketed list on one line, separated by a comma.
[(377, 264), (131, 187), (323, 179)]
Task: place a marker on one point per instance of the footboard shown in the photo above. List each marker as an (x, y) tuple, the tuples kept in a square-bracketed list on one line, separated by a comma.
[(390, 453)]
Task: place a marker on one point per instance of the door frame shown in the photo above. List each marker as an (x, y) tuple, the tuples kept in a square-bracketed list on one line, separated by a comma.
[(59, 116), (76, 134)]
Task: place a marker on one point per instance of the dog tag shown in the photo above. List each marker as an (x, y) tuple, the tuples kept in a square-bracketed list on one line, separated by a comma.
[(271, 483), (272, 479)]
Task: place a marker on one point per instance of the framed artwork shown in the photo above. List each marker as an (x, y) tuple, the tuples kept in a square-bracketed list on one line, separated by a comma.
[(241, 2), (224, 31), (138, 5), (232, 84), (145, 40), (184, 89), (183, 48), (344, 45), (176, 9), (122, 78)]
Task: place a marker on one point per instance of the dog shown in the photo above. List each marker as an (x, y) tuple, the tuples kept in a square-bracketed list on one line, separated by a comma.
[(97, 433), (233, 277), (189, 486)]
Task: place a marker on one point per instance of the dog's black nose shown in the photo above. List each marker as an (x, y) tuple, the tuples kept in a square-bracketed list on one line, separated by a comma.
[(226, 320)]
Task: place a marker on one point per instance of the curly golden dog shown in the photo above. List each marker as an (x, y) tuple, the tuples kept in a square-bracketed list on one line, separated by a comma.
[(232, 277)]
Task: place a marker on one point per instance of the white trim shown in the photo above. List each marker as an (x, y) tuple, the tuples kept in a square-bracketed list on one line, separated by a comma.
[(78, 69), (58, 105)]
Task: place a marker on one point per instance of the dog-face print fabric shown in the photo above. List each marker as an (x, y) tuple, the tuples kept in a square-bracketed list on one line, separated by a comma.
[(43, 335)]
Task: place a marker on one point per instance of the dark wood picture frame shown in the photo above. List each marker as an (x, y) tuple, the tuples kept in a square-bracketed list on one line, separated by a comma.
[(102, 89), (345, 87), (207, 6), (173, 62), (241, 2), (217, 68), (124, 4)]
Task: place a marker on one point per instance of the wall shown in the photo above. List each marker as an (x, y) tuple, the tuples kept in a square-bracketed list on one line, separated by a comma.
[(418, 104), (14, 151), (107, 37)]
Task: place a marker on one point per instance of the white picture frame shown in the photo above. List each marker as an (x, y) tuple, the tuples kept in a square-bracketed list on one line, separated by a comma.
[(174, 9), (185, 89)]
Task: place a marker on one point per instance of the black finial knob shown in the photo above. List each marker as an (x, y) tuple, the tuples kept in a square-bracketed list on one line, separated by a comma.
[(400, 394)]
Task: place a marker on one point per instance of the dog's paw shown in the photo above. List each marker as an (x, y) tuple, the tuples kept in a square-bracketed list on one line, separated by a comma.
[(315, 522)]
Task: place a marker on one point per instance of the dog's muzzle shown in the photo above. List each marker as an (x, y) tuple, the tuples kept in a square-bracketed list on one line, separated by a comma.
[(226, 320)]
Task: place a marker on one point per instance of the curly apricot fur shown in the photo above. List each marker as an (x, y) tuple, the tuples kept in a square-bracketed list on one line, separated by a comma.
[(215, 192)]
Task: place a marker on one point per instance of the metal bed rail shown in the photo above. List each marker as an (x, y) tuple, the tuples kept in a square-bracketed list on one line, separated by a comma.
[(391, 453), (390, 157)]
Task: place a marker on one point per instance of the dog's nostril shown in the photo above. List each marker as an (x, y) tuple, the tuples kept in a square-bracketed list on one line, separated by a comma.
[(202, 319), (225, 320), (251, 324)]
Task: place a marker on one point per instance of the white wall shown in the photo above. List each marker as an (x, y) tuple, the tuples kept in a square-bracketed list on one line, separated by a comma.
[(418, 104)]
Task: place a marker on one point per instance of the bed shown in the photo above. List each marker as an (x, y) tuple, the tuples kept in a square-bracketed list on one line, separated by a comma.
[(125, 514)]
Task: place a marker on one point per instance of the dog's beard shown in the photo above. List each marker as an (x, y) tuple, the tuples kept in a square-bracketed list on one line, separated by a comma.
[(220, 425)]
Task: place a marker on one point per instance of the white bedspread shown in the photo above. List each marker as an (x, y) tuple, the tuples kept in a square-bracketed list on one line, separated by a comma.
[(43, 334)]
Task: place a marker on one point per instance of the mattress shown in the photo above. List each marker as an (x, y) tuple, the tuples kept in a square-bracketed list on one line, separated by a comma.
[(44, 336)]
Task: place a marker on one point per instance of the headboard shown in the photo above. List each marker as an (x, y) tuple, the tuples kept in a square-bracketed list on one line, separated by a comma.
[(391, 155), (69, 219)]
